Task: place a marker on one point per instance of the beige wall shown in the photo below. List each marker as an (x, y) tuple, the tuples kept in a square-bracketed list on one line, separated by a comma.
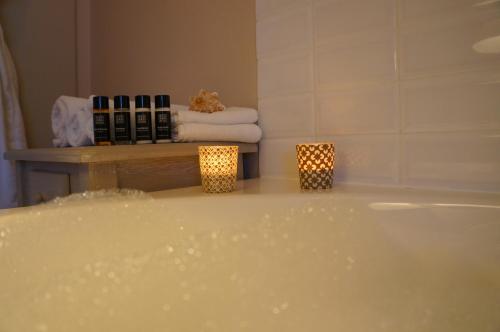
[(78, 47), (41, 36), (176, 47)]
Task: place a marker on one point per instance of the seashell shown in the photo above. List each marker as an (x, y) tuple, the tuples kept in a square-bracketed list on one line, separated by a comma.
[(206, 102)]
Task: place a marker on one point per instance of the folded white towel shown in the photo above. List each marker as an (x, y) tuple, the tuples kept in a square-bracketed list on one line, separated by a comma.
[(232, 115), (65, 110), (199, 132)]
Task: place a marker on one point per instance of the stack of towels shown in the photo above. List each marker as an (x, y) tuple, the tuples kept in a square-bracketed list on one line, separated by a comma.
[(234, 124), (72, 123)]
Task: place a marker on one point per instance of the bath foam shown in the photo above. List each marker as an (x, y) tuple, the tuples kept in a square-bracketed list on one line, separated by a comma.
[(109, 195), (124, 261)]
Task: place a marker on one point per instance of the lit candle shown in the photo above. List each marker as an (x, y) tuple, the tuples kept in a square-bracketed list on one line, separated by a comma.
[(218, 168), (315, 162)]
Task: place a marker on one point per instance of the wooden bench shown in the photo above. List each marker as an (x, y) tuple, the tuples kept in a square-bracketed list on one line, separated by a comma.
[(48, 173)]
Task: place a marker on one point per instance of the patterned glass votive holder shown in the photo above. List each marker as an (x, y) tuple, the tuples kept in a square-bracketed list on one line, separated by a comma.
[(316, 162), (218, 168)]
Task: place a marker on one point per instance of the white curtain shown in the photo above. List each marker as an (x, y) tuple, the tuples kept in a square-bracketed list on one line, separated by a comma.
[(12, 135)]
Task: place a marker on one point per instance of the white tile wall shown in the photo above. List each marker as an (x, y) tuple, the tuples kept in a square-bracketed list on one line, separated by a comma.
[(287, 74), (366, 158), (453, 160), (287, 116), (334, 19), (419, 9), (266, 8), (288, 32), (395, 83), (371, 109), (458, 102), (369, 58), (440, 45)]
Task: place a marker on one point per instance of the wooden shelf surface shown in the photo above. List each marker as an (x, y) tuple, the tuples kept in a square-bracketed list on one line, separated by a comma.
[(99, 154)]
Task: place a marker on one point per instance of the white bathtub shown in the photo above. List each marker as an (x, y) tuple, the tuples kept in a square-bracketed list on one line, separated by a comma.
[(266, 258)]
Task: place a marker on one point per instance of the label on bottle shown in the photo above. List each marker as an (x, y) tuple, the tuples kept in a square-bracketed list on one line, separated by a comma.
[(102, 132), (143, 129), (163, 125), (122, 126)]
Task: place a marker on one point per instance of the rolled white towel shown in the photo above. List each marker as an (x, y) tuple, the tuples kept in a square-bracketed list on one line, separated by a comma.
[(232, 115), (199, 132), (63, 107), (79, 127)]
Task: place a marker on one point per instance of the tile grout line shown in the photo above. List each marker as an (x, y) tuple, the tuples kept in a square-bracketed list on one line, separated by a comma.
[(314, 70)]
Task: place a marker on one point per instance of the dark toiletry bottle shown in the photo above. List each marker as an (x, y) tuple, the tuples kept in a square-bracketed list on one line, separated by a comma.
[(102, 129), (123, 133), (143, 125), (163, 123)]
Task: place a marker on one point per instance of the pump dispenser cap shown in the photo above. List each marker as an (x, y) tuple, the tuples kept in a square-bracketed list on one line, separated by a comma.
[(101, 102), (122, 102), (162, 101), (142, 101)]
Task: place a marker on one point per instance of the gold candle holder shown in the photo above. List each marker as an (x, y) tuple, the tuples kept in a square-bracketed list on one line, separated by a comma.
[(316, 162), (218, 168)]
